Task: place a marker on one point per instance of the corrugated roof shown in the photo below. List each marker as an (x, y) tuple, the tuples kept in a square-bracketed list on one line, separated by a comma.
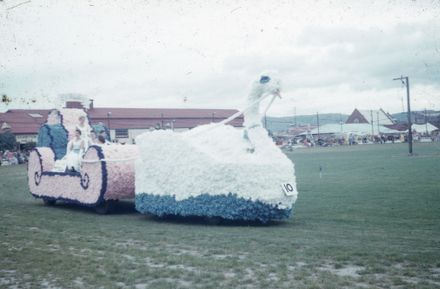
[(101, 112), (22, 122), (152, 122)]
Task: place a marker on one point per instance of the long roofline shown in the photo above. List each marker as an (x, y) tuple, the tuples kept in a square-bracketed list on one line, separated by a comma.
[(22, 122)]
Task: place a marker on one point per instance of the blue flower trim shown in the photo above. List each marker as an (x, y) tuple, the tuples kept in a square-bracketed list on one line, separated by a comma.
[(55, 137), (229, 207), (64, 128)]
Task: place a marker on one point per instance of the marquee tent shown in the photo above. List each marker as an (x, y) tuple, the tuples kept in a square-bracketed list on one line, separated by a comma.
[(354, 128)]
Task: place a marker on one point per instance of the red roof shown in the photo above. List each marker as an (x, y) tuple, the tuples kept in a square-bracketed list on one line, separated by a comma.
[(22, 122), (356, 117), (101, 112), (149, 117)]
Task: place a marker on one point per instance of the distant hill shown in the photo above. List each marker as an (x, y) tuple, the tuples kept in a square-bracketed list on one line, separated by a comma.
[(418, 116), (282, 123)]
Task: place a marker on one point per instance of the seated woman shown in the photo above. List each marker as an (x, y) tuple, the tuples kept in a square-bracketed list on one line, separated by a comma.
[(75, 151)]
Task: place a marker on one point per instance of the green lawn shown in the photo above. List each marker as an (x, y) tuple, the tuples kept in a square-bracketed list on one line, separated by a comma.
[(371, 221)]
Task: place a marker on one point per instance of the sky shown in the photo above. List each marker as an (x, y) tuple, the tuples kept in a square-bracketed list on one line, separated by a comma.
[(331, 56)]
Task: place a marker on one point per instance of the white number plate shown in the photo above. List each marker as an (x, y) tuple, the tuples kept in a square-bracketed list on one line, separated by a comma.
[(288, 189)]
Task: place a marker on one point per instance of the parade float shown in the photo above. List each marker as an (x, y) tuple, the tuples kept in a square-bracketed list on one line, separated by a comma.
[(212, 171), (216, 170), (106, 174)]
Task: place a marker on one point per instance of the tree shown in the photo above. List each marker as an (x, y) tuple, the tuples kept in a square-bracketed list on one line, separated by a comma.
[(7, 141)]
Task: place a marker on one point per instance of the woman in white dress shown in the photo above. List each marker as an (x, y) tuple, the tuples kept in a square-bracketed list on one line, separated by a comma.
[(85, 131), (75, 151)]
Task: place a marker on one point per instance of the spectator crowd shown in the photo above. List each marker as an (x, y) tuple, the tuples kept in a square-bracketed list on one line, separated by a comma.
[(8, 157)]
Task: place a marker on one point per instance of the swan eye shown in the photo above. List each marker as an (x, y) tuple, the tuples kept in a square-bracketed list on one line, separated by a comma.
[(264, 79)]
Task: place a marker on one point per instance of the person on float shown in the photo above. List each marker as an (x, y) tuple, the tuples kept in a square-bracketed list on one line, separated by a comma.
[(101, 141), (84, 128), (104, 135), (75, 151), (93, 138), (54, 117)]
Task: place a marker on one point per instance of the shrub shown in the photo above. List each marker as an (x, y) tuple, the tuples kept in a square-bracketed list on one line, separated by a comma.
[(7, 141)]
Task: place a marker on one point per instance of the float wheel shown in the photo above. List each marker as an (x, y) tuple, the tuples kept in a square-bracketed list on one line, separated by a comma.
[(49, 202), (213, 220), (105, 207)]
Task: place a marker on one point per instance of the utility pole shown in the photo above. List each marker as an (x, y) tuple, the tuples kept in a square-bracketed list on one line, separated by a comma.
[(317, 121), (108, 119), (405, 80), (377, 118), (372, 124), (426, 122), (340, 120), (108, 125), (294, 113)]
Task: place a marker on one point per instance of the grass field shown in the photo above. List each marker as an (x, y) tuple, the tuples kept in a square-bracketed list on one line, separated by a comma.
[(371, 221)]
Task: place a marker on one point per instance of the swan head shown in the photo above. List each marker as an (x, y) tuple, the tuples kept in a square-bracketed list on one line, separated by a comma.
[(266, 83)]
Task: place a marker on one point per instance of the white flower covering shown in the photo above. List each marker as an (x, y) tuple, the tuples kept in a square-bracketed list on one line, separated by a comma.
[(71, 120), (214, 162)]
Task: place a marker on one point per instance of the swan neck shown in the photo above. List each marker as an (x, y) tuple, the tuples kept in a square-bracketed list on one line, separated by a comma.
[(252, 116)]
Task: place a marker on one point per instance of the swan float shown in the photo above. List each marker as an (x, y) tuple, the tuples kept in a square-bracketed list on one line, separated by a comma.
[(217, 170), (213, 170)]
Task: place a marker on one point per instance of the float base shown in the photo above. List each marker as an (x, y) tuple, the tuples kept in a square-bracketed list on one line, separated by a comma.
[(228, 207)]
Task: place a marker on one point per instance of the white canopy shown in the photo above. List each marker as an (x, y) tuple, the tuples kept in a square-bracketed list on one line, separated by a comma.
[(354, 128), (421, 128)]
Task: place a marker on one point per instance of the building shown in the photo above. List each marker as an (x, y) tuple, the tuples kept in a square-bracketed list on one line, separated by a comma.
[(344, 129), (376, 117), (124, 123), (24, 124)]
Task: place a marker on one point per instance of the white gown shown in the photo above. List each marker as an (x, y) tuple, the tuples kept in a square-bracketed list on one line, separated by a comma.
[(74, 154)]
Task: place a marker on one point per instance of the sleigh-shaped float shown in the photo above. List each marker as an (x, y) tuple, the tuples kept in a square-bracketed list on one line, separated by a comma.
[(106, 174), (214, 171)]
